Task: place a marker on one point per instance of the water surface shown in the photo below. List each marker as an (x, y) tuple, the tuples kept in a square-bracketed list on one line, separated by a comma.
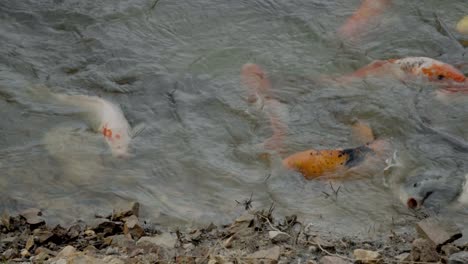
[(175, 66)]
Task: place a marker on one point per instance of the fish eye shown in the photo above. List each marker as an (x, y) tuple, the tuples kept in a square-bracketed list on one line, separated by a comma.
[(415, 184), (440, 77)]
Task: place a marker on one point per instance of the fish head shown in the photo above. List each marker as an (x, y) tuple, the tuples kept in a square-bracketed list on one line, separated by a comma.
[(118, 140), (443, 72), (429, 189)]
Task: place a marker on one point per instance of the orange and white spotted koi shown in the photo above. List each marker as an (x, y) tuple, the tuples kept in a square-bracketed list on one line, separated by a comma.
[(106, 118), (430, 69), (367, 12)]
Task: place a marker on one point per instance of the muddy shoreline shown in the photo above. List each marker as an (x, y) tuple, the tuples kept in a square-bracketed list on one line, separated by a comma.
[(254, 237)]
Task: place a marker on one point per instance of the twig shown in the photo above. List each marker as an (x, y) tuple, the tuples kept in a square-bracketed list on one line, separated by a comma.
[(329, 253)]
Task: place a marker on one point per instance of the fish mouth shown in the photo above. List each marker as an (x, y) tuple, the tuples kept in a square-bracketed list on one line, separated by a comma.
[(414, 203)]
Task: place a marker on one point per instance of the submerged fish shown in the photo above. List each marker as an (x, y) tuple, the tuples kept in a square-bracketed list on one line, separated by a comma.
[(367, 12), (103, 116), (310, 163), (430, 69), (106, 118), (462, 26), (433, 189), (260, 94)]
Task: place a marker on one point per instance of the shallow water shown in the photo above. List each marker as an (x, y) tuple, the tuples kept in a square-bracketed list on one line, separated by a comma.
[(175, 66)]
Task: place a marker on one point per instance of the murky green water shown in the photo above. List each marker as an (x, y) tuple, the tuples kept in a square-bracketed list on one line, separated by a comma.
[(175, 67)]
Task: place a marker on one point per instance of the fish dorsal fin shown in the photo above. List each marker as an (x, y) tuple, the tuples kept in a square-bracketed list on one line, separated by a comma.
[(137, 130)]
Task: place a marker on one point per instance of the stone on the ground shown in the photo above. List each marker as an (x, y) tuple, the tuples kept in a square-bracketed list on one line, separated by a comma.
[(102, 225), (126, 211), (49, 252), (188, 246), (75, 230), (121, 241), (403, 257), (66, 252), (164, 239), (25, 253), (366, 256), (59, 261), (424, 250), (278, 236), (313, 249), (41, 257), (271, 253), (438, 231), (10, 253), (43, 236), (196, 235), (29, 243), (228, 242), (90, 249), (89, 233), (112, 260), (459, 258), (33, 216), (132, 226), (112, 251), (449, 249), (333, 260), (245, 218)]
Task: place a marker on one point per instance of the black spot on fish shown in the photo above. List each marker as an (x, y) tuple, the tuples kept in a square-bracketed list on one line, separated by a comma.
[(356, 155)]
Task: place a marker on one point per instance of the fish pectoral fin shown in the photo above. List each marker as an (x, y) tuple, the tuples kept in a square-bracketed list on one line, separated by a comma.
[(137, 130), (392, 162)]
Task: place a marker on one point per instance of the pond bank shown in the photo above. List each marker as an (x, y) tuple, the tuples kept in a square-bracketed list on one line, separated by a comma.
[(255, 237)]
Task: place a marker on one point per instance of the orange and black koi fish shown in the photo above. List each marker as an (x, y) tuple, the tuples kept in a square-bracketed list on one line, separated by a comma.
[(362, 17), (311, 163), (316, 163)]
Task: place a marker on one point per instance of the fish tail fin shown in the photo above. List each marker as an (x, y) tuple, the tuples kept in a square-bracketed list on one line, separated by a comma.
[(256, 80)]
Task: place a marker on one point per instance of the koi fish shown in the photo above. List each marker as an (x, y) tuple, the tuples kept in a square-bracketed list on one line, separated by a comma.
[(311, 163), (462, 26), (430, 69), (106, 118), (259, 93), (316, 163), (431, 190), (362, 17)]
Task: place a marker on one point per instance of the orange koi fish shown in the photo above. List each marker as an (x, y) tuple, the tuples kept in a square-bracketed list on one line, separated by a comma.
[(311, 163), (260, 93), (362, 17), (430, 69)]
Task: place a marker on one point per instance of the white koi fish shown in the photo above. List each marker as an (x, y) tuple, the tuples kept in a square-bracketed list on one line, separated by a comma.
[(106, 118), (103, 116)]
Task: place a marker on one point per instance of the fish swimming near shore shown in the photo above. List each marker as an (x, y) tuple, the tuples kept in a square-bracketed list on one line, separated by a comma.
[(363, 17), (462, 26), (103, 116), (311, 164), (422, 67), (434, 190)]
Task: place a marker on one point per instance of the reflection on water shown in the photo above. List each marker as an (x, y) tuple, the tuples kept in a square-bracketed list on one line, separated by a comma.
[(175, 68)]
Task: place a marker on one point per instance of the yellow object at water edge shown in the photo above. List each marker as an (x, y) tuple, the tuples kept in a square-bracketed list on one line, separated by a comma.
[(462, 26)]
